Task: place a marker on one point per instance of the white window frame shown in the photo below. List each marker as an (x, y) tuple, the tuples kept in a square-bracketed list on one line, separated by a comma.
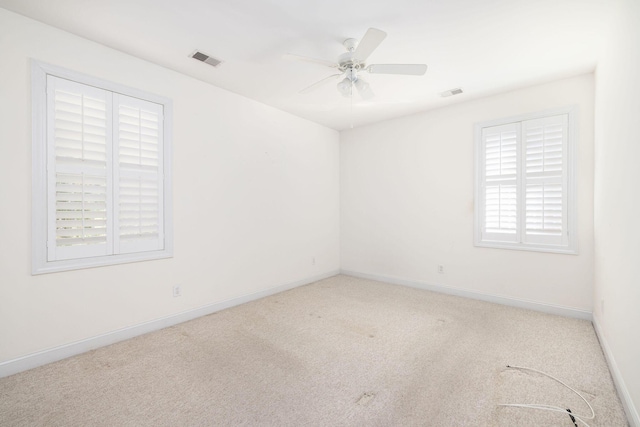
[(570, 245), (41, 220)]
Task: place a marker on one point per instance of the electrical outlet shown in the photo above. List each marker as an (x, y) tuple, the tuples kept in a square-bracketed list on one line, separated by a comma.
[(440, 269), (177, 291)]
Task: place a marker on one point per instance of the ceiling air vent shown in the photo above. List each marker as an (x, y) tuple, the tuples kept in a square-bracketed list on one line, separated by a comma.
[(214, 62), (451, 92)]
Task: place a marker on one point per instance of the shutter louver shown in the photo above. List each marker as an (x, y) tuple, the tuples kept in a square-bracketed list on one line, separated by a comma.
[(500, 209), (544, 147), (138, 208), (500, 195), (139, 132), (544, 209), (500, 154), (78, 128), (81, 209), (545, 142), (139, 174)]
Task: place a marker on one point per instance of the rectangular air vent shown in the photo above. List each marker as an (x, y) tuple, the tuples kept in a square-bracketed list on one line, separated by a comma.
[(451, 92), (214, 62)]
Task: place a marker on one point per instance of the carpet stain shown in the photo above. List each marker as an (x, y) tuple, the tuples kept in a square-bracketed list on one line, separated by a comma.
[(356, 327), (366, 398)]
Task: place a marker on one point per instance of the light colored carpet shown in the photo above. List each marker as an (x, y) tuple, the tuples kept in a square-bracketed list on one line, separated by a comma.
[(339, 352)]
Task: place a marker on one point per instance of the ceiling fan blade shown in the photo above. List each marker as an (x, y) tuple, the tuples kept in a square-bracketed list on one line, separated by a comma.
[(364, 90), (294, 57), (406, 69), (371, 40), (319, 83)]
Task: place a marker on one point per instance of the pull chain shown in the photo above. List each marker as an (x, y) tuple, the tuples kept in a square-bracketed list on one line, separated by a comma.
[(351, 102)]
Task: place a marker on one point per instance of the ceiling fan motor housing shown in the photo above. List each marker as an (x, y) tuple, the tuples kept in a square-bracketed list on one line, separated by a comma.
[(345, 61), (350, 44)]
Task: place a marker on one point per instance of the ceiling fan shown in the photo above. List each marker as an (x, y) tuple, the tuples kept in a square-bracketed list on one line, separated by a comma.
[(353, 63)]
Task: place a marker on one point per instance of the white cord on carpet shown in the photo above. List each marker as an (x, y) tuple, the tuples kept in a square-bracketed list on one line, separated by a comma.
[(550, 407)]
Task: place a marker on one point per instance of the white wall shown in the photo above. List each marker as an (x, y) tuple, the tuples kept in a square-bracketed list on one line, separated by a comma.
[(256, 196), (617, 200), (407, 201)]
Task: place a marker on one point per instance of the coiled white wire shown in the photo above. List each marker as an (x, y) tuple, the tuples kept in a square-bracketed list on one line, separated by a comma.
[(550, 407)]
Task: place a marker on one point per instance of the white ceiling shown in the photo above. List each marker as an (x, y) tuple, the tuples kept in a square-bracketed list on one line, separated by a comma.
[(482, 46)]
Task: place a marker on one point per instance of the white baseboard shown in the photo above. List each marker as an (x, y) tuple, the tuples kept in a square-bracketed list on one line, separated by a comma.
[(40, 358), (498, 299), (629, 408)]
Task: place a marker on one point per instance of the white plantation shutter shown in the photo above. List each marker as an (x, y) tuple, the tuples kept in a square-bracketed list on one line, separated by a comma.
[(81, 209), (524, 178), (101, 188), (545, 177), (139, 175), (500, 182), (78, 129)]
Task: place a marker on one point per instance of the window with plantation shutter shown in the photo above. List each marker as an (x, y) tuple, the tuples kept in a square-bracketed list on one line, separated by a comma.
[(524, 183), (78, 129), (138, 175), (101, 187), (500, 184), (545, 180)]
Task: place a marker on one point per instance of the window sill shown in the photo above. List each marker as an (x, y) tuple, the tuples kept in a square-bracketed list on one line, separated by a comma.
[(77, 264), (523, 247)]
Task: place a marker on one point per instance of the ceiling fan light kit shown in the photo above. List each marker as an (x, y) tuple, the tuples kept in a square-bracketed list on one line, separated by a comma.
[(353, 62), (344, 87)]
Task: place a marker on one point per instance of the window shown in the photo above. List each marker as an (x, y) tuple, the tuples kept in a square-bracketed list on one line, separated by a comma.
[(525, 196), (101, 172)]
